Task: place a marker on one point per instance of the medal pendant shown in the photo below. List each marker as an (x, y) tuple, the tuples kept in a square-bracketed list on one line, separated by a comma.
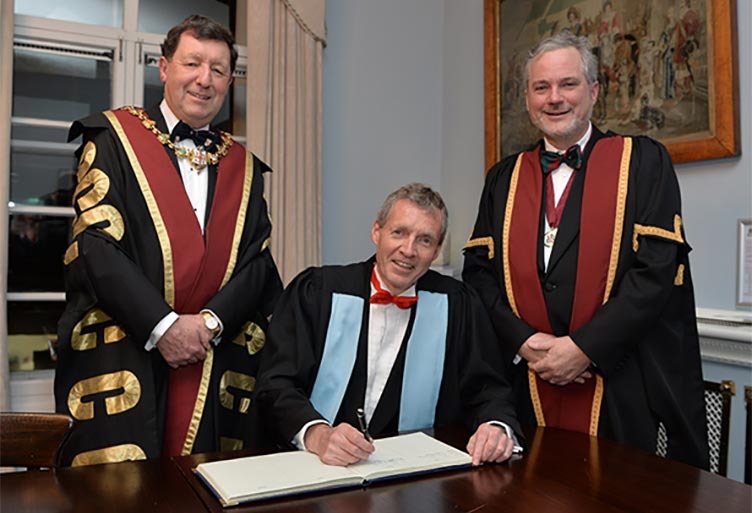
[(550, 237), (198, 160)]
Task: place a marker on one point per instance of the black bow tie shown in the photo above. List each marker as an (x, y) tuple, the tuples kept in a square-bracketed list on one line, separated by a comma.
[(550, 160), (203, 139)]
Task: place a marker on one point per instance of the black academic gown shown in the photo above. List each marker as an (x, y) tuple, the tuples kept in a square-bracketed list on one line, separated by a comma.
[(644, 339), (115, 296), (473, 388)]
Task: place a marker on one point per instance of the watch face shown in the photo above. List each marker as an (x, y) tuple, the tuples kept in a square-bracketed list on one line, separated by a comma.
[(211, 322)]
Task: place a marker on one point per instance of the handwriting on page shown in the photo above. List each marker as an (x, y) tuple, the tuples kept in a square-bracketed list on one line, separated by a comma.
[(406, 454)]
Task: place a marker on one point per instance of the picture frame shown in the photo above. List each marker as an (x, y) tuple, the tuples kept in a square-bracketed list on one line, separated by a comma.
[(744, 264), (689, 101)]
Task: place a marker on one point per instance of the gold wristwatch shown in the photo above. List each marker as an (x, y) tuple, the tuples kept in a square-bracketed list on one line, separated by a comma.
[(211, 322)]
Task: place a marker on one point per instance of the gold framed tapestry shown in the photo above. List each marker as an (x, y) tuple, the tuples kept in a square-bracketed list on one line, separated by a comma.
[(667, 69)]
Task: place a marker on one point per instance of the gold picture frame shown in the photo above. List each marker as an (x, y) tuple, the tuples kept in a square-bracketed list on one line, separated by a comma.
[(696, 115)]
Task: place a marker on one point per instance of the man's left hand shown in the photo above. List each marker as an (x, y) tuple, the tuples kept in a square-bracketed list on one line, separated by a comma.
[(563, 363), (489, 443)]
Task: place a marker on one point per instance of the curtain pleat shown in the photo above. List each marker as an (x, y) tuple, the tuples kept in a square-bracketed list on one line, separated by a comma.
[(284, 123)]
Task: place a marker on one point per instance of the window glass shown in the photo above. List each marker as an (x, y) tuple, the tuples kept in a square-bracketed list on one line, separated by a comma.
[(153, 86), (108, 13), (59, 86), (36, 245), (41, 178), (31, 352), (159, 17), (32, 327), (23, 133)]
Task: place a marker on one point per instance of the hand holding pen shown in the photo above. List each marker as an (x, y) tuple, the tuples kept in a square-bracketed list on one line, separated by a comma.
[(363, 424), (343, 444)]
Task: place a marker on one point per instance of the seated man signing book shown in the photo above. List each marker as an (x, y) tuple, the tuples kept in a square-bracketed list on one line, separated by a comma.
[(411, 347)]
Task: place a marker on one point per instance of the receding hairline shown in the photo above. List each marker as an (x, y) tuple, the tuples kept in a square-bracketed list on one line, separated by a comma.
[(562, 41), (423, 197)]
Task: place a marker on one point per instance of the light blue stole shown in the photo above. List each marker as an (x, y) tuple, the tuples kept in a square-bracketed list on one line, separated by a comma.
[(424, 360)]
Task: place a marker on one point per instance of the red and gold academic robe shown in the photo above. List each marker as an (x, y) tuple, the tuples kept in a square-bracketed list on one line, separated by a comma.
[(617, 282), (137, 253)]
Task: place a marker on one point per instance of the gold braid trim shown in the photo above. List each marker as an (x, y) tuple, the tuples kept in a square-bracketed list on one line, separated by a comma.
[(535, 397), (482, 241), (198, 408), (621, 202), (505, 235), (240, 221), (595, 411), (71, 253), (151, 203), (675, 236), (679, 278)]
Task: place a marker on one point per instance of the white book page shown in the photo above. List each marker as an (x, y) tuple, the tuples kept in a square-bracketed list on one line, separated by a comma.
[(272, 474), (405, 454)]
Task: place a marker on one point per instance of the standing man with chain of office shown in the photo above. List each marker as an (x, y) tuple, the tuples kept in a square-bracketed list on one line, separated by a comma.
[(169, 279), (580, 256)]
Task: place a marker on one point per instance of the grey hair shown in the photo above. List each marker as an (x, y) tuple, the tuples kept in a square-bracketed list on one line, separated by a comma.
[(422, 196), (565, 39)]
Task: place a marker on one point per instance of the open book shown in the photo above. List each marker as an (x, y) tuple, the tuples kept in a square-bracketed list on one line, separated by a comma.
[(277, 475)]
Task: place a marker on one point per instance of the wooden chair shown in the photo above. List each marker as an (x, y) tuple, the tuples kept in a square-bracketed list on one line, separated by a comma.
[(32, 440), (718, 415)]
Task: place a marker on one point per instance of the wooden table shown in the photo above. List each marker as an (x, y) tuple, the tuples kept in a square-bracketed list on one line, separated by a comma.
[(561, 472), (142, 486)]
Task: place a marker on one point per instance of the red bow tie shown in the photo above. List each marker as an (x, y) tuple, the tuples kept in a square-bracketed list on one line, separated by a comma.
[(384, 297)]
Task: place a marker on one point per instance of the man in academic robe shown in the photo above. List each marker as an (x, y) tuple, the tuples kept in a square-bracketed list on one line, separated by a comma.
[(169, 279), (581, 259), (407, 345)]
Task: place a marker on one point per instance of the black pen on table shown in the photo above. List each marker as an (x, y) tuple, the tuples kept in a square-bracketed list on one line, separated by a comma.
[(363, 424)]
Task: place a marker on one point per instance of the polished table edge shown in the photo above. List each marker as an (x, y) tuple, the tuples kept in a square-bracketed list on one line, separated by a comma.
[(610, 451), (131, 486), (577, 472)]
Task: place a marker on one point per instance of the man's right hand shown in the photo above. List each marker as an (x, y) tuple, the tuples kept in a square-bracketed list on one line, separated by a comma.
[(341, 445), (536, 346), (185, 342)]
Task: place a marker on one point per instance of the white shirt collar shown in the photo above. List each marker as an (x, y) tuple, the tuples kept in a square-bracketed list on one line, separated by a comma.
[(170, 118), (409, 292), (582, 142)]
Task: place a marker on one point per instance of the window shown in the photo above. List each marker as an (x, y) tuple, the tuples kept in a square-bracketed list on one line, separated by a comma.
[(94, 12), (158, 17)]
